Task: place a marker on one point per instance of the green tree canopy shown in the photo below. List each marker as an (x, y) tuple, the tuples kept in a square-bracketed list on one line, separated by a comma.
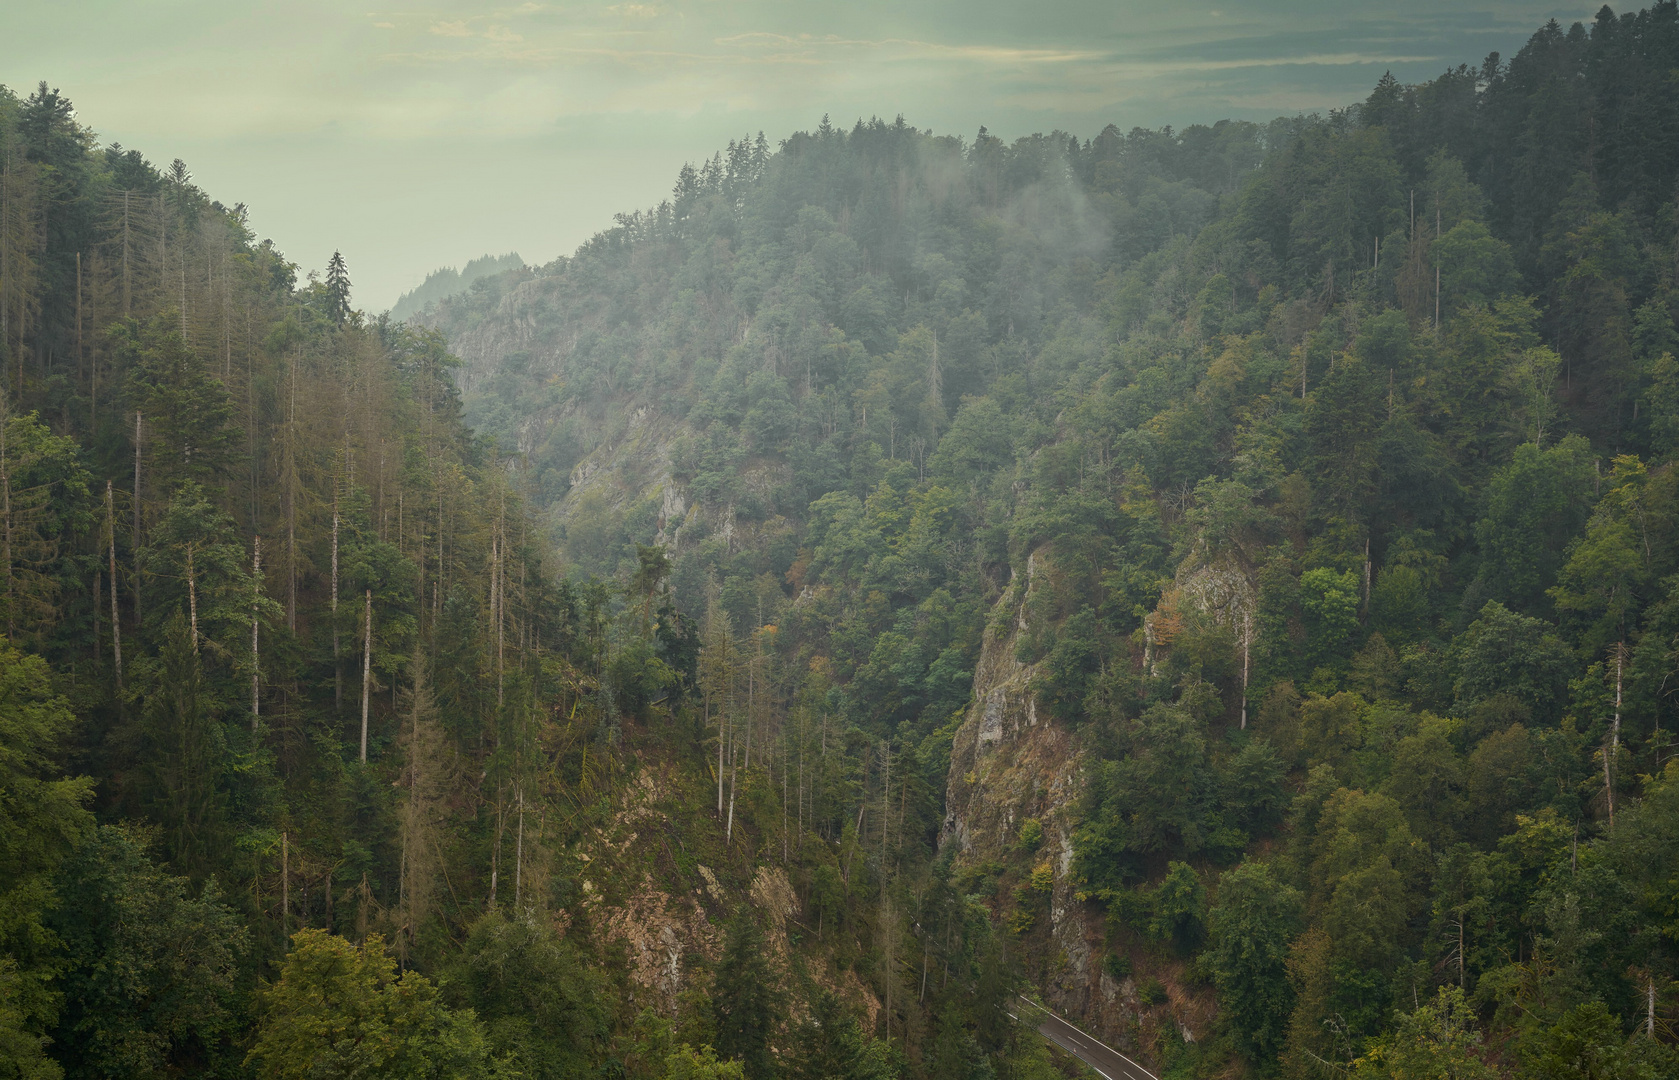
[(1249, 928), (743, 1000), (337, 1009), (150, 981)]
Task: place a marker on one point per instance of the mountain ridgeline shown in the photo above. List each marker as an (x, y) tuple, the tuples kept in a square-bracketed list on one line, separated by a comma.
[(441, 284), (1221, 583)]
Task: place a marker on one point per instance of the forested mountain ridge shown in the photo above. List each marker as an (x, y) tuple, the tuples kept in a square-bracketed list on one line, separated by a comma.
[(279, 641), (1221, 580), (448, 281), (1315, 436)]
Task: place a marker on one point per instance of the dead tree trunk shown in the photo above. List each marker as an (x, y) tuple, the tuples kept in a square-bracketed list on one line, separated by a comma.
[(366, 671), (192, 600), (135, 543), (1614, 735), (337, 668), (116, 621), (256, 651)]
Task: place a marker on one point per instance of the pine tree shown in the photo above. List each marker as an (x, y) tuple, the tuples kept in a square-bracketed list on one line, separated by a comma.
[(337, 290)]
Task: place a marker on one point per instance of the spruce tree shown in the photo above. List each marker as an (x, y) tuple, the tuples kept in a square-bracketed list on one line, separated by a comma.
[(337, 289), (743, 1000)]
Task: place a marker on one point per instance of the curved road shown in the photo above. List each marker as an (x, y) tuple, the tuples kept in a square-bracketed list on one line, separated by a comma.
[(1107, 1061)]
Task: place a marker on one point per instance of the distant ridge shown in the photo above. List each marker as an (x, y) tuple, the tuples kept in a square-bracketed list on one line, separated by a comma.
[(448, 281)]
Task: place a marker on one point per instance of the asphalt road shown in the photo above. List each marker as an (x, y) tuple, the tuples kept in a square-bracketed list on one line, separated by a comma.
[(1104, 1059)]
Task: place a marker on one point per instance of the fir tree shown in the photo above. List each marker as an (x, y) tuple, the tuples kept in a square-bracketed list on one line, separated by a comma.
[(337, 290), (743, 1000)]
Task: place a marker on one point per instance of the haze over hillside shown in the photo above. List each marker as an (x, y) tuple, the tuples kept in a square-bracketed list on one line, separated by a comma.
[(411, 138), (1219, 584), (448, 281)]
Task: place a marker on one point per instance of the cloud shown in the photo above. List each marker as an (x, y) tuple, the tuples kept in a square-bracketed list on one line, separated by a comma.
[(528, 92), (908, 48), (464, 28), (1308, 60)]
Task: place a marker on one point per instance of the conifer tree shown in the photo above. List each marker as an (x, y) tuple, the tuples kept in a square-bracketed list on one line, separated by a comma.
[(743, 1000), (337, 290)]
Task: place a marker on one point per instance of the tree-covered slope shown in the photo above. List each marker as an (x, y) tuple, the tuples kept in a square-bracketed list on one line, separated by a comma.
[(1220, 581), (309, 762), (446, 282), (1338, 453)]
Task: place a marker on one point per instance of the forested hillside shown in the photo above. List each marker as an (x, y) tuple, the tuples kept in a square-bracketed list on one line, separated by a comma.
[(441, 284), (1223, 583), (1313, 481), (283, 658)]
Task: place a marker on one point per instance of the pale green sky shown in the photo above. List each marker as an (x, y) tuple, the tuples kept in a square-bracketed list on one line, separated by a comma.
[(426, 135)]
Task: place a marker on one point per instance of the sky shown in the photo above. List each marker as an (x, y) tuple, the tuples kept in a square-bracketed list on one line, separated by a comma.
[(424, 136)]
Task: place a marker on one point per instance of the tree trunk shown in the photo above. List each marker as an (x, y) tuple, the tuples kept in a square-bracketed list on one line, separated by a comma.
[(127, 291), (729, 827), (784, 795), (495, 609), (116, 621), (256, 652), (885, 805), (519, 853), (1247, 644), (337, 668), (134, 552), (95, 617), (366, 672), (887, 934), (1614, 735), (6, 531), (291, 504), (78, 316), (501, 614)]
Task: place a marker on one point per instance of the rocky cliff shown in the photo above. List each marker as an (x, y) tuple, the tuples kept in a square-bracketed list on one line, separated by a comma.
[(1012, 763)]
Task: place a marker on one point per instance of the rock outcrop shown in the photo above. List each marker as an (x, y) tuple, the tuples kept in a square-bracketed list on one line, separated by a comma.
[(1009, 763), (1012, 761)]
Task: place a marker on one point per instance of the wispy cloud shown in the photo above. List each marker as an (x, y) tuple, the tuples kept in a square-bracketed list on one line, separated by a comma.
[(1189, 66), (591, 104), (810, 45)]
